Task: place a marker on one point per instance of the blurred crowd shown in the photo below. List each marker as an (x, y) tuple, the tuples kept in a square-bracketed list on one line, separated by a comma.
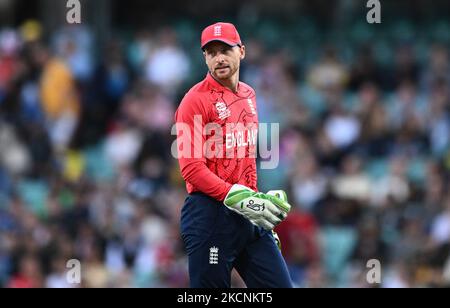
[(86, 171)]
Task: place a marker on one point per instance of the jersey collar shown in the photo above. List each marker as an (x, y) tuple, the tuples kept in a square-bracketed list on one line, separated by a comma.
[(218, 85)]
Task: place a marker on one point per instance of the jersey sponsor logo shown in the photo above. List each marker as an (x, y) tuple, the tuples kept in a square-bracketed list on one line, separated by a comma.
[(222, 110)]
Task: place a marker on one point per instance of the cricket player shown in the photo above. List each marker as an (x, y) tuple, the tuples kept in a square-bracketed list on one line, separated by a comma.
[(225, 222)]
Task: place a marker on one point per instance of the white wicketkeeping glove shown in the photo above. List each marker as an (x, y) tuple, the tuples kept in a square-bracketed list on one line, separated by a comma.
[(261, 209), (281, 194)]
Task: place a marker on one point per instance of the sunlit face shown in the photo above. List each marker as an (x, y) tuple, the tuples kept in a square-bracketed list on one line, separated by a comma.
[(223, 61)]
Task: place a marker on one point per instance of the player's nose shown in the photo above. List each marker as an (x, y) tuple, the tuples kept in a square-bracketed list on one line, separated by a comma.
[(220, 58)]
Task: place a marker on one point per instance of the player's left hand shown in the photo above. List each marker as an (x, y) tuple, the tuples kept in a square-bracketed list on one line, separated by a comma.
[(262, 210), (281, 194)]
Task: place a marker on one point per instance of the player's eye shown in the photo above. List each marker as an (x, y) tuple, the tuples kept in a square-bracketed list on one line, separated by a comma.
[(211, 53), (226, 50)]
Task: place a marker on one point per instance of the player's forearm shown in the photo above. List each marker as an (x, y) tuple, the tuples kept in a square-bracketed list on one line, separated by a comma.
[(205, 181)]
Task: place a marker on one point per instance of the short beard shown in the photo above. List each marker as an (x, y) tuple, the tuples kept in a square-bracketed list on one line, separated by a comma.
[(232, 72)]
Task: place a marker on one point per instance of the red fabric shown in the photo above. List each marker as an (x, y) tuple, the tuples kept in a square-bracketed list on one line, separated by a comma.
[(298, 235), (7, 66), (221, 31), (235, 117), (21, 282)]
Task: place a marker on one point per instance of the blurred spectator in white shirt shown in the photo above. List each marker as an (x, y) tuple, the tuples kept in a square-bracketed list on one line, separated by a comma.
[(168, 65), (394, 185), (342, 128), (352, 183), (440, 228)]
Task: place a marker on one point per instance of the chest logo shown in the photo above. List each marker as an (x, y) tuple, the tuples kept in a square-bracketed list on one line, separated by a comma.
[(222, 110)]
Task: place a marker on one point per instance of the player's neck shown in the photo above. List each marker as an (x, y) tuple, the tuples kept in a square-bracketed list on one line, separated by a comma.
[(230, 83)]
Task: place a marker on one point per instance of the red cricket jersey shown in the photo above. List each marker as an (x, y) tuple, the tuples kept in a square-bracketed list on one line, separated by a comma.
[(217, 133)]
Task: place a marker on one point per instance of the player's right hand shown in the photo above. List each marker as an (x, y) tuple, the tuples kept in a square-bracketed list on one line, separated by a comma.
[(261, 209)]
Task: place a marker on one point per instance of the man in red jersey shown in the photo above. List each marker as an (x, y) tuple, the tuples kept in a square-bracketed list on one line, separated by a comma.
[(225, 222)]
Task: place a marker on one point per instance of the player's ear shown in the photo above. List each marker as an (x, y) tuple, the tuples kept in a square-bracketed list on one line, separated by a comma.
[(242, 50)]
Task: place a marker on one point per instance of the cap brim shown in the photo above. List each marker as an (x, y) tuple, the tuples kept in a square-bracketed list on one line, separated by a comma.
[(229, 43)]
